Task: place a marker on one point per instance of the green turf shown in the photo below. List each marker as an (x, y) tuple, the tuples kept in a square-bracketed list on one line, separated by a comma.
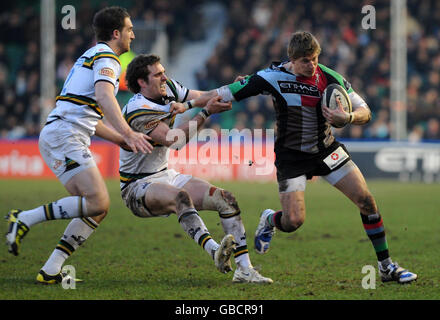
[(134, 258)]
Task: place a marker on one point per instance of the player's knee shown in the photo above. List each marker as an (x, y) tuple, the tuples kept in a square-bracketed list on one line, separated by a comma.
[(221, 201), (97, 204), (183, 200), (366, 203), (293, 223), (294, 219), (227, 205), (230, 200)]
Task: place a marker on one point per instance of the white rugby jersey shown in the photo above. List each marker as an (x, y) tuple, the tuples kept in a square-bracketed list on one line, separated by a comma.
[(77, 101), (143, 115)]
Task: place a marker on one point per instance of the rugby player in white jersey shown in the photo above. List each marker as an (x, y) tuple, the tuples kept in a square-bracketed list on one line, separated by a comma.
[(87, 95), (150, 189), (305, 146)]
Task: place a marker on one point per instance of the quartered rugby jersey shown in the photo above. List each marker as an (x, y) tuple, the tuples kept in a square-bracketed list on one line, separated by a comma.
[(77, 101), (143, 115), (297, 103)]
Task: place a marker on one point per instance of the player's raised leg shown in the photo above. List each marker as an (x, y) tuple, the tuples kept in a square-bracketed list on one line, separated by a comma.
[(209, 197), (161, 199), (289, 219), (352, 183)]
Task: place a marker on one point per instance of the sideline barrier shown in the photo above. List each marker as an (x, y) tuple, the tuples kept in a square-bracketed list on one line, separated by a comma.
[(21, 159), (250, 162), (402, 161)]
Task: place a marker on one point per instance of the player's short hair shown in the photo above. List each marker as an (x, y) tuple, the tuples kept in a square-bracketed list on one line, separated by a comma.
[(302, 44), (107, 20), (138, 69)]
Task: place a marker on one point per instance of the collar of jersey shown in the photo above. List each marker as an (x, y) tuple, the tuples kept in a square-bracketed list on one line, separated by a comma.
[(280, 66), (161, 101)]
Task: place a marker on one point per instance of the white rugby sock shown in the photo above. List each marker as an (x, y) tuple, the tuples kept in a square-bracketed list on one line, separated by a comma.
[(74, 236), (65, 208), (234, 225), (196, 229), (55, 262)]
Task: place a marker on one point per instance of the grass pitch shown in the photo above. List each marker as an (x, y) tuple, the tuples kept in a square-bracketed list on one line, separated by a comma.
[(133, 258)]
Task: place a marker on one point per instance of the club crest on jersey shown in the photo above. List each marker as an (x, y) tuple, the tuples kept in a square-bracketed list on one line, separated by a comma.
[(107, 72), (151, 124), (299, 88)]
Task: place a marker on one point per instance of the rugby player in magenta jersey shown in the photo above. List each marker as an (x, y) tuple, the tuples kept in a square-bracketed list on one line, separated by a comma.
[(305, 146)]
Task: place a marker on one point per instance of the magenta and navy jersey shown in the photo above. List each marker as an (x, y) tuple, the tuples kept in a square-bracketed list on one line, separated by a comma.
[(297, 102)]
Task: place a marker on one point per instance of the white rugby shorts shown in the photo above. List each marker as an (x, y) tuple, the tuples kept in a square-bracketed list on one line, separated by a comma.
[(65, 149), (134, 193)]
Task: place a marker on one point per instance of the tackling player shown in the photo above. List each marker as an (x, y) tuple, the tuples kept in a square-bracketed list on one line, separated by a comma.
[(305, 146), (87, 95), (150, 189)]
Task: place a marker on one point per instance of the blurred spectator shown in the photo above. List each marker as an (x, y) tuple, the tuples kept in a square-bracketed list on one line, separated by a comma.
[(416, 134), (433, 130), (251, 42), (380, 126), (257, 33), (20, 52)]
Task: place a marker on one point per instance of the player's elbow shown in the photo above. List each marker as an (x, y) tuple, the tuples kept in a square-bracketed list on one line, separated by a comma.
[(367, 114)]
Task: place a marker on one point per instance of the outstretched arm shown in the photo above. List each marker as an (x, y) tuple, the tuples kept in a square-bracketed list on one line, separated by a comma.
[(177, 138), (243, 87)]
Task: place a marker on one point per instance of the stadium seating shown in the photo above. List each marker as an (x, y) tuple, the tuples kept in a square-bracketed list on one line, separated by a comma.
[(251, 41)]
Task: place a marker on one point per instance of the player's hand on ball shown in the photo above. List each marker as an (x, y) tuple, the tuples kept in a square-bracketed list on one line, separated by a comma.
[(336, 117), (215, 105)]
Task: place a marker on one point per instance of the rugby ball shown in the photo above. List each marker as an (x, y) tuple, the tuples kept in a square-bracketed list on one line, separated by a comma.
[(331, 93)]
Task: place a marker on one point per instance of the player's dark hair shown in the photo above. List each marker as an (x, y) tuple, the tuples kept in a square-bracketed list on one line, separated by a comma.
[(138, 69), (107, 20), (303, 44)]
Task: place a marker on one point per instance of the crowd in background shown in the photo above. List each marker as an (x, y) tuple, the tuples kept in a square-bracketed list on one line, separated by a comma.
[(20, 50), (252, 41), (257, 33)]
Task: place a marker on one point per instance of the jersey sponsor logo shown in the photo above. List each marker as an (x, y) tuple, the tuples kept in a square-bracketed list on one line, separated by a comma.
[(336, 158), (299, 88), (107, 72)]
